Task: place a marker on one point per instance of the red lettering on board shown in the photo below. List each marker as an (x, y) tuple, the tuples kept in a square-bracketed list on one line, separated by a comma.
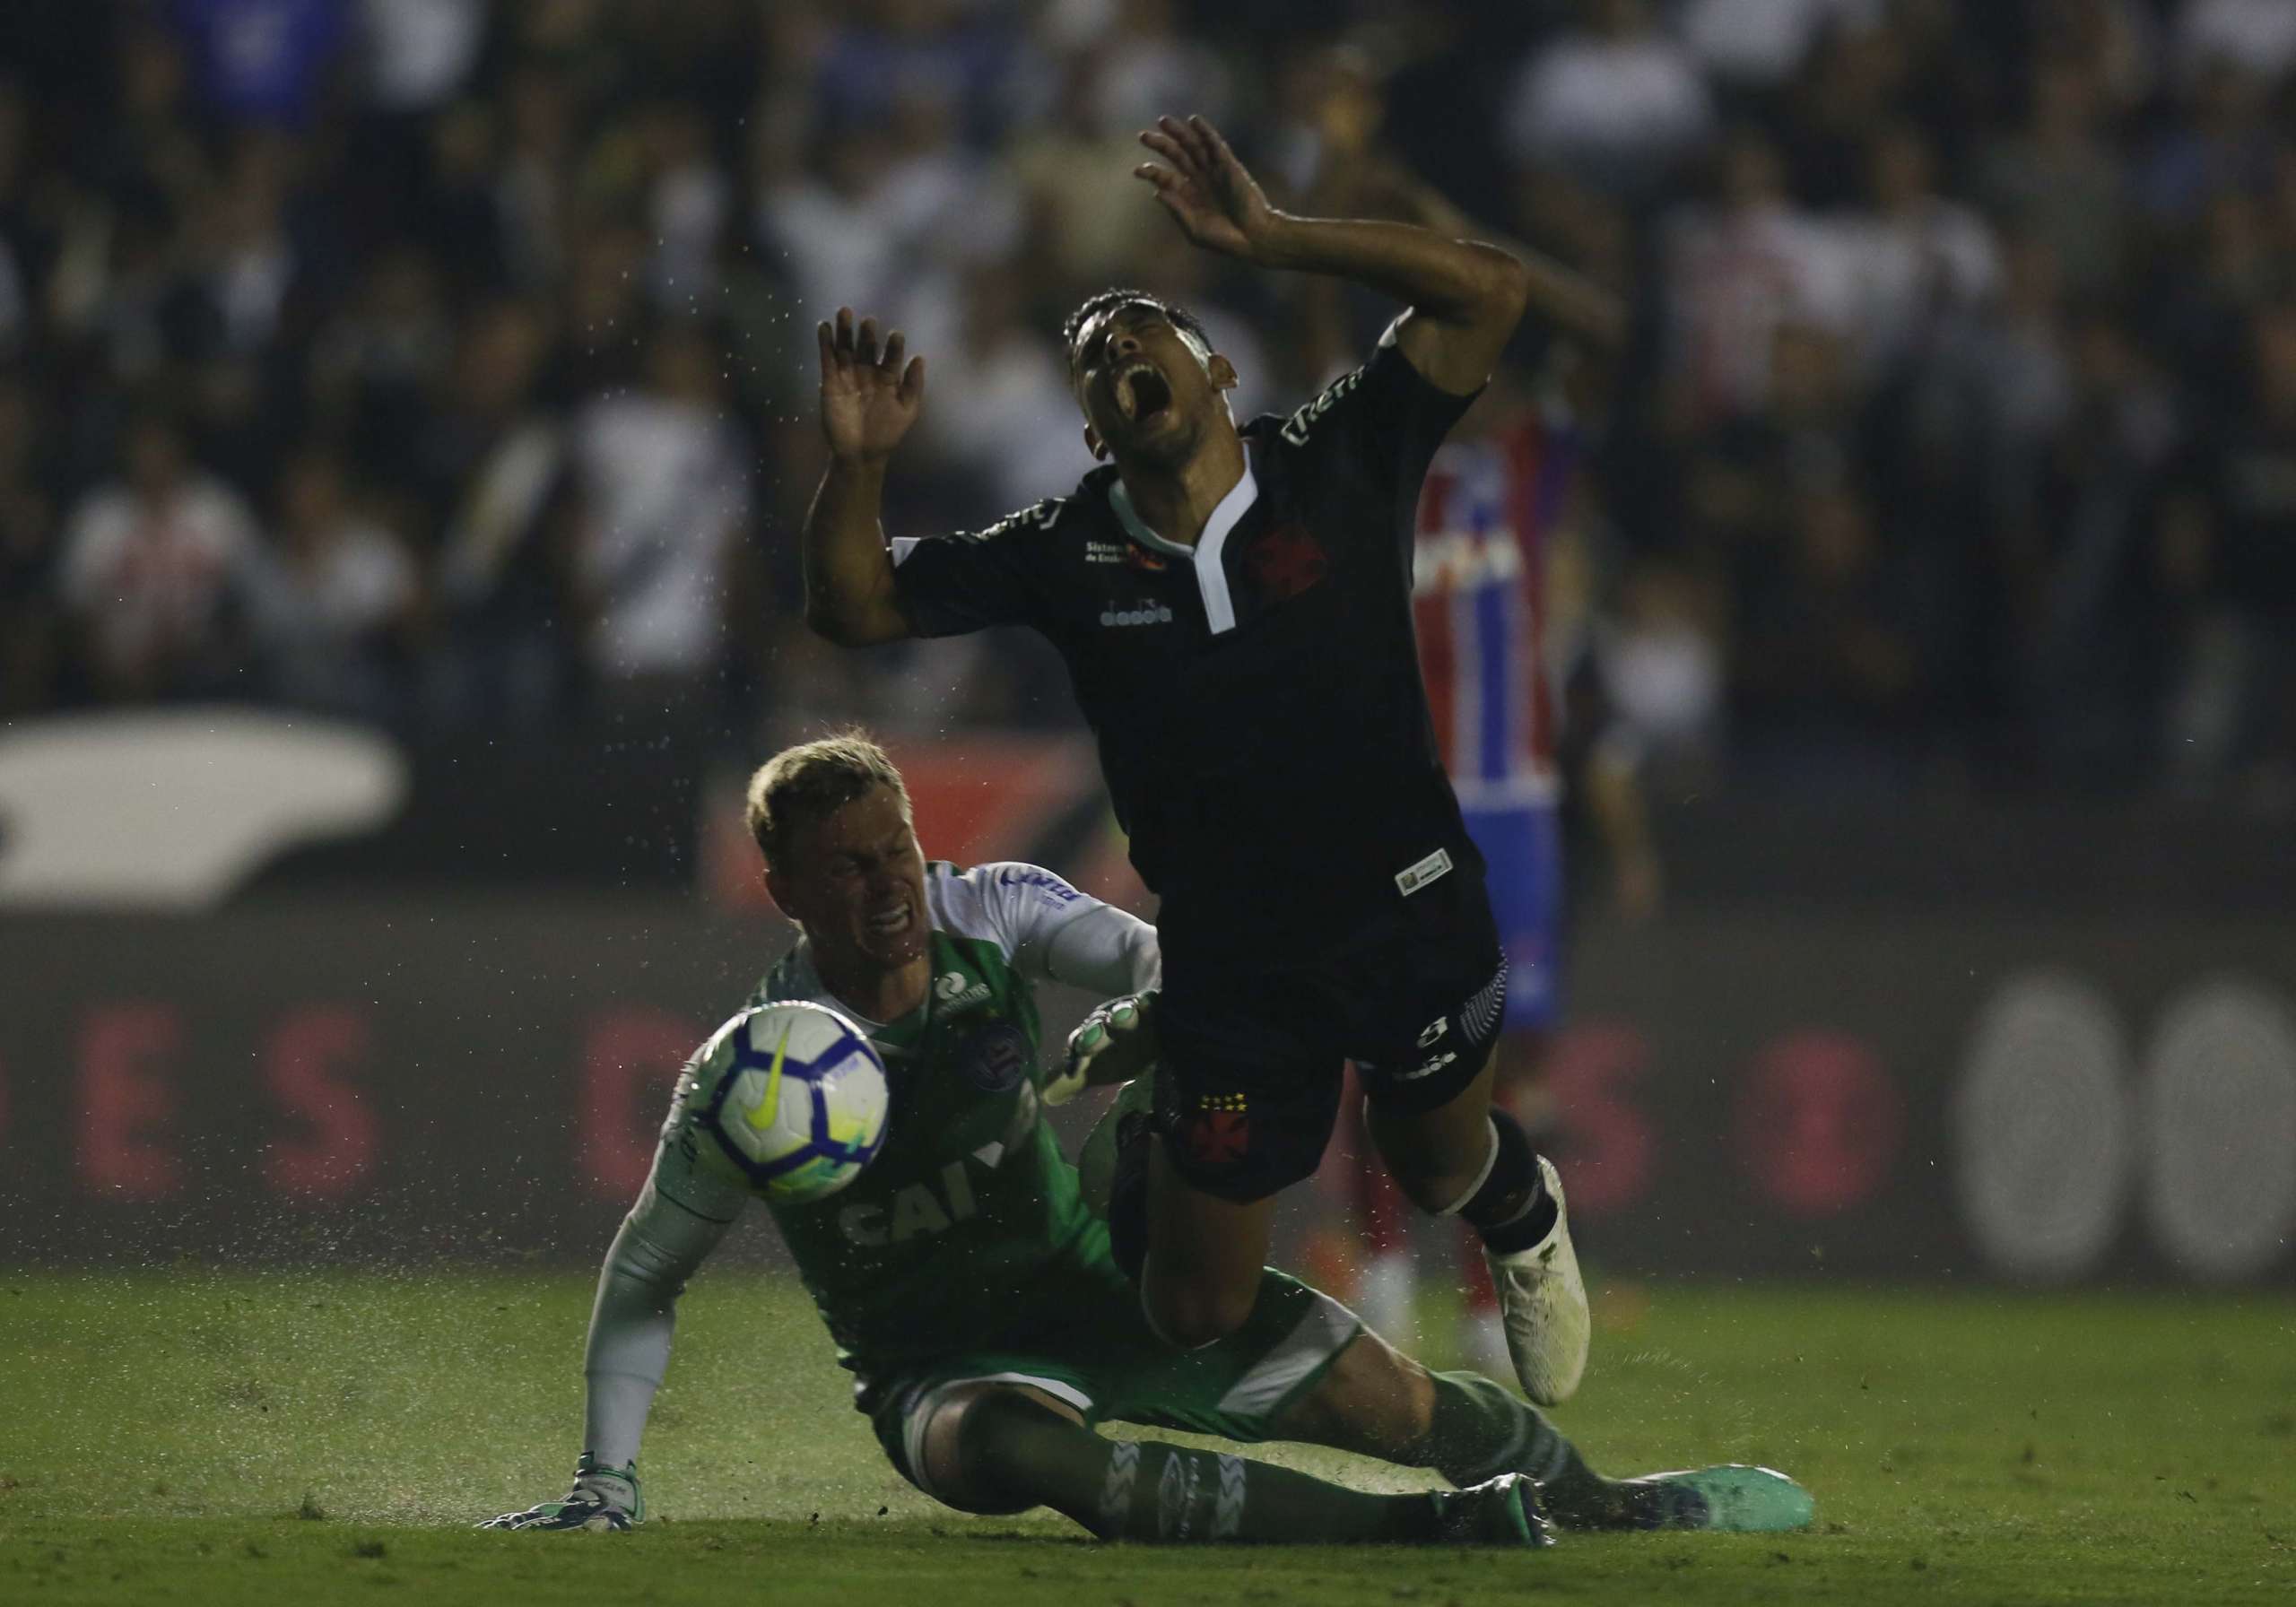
[(1608, 1147), (125, 1102), (304, 1060), (630, 1056), (1818, 1123)]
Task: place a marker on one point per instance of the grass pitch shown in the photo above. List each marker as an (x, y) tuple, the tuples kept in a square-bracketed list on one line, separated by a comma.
[(194, 1436)]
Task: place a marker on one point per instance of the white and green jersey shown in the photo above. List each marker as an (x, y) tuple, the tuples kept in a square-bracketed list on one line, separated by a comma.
[(968, 1211)]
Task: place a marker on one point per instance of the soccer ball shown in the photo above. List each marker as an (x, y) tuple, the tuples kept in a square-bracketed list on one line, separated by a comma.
[(800, 1100)]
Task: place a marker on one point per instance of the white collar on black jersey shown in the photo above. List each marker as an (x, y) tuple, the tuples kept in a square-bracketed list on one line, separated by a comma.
[(1211, 573)]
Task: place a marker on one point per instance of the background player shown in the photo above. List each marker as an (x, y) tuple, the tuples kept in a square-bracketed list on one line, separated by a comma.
[(972, 1293), (1234, 611)]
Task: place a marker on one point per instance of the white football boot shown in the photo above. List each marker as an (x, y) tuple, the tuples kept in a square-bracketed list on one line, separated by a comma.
[(1542, 1301)]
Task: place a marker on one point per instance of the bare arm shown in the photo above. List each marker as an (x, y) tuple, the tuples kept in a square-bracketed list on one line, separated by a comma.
[(1571, 302), (868, 402), (848, 574), (1465, 296)]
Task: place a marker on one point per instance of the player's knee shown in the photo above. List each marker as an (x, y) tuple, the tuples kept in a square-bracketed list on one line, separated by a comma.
[(1371, 1399), (1390, 1395), (963, 1453)]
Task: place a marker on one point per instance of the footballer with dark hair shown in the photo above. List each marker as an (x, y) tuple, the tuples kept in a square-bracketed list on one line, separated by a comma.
[(1233, 604)]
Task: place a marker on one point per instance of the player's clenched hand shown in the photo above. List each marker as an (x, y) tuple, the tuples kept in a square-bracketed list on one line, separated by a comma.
[(1216, 203), (1114, 1044), (603, 1499), (868, 398)]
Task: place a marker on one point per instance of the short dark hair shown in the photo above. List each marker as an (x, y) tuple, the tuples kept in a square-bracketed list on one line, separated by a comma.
[(806, 782), (1108, 301)]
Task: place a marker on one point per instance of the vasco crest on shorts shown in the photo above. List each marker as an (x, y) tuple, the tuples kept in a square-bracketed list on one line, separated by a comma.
[(1220, 1131)]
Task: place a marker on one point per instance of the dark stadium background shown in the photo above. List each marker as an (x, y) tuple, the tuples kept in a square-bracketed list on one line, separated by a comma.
[(365, 873)]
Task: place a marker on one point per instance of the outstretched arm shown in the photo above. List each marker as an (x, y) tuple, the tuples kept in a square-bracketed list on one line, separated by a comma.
[(868, 402), (1465, 296), (660, 1244), (1570, 302)]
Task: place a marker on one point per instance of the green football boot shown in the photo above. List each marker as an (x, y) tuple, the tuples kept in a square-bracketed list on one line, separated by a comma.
[(1731, 1499)]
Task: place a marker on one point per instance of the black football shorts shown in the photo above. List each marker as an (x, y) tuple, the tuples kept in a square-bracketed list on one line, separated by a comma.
[(1251, 1057)]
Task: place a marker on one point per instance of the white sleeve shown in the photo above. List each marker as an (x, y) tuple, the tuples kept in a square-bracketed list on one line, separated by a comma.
[(687, 1204), (1105, 951), (1047, 929)]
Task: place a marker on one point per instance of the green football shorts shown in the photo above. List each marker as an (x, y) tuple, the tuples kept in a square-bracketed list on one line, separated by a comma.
[(1104, 1362)]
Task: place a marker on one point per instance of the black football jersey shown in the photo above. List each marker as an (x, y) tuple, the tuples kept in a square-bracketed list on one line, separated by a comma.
[(1262, 724)]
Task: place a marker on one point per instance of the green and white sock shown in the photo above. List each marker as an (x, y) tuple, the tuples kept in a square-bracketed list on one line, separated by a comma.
[(1166, 1494), (1480, 1429)]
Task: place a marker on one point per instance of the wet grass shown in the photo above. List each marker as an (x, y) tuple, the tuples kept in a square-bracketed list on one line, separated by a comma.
[(195, 1436)]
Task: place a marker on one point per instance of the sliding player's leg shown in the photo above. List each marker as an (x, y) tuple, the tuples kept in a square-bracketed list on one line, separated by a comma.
[(994, 1449), (1376, 1401), (1003, 1433)]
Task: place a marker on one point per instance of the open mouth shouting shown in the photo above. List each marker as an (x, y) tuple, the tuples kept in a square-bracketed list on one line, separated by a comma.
[(891, 919), (1142, 393)]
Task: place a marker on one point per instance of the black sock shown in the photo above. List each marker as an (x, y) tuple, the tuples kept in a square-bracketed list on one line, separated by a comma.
[(1512, 1209), (1146, 1490)]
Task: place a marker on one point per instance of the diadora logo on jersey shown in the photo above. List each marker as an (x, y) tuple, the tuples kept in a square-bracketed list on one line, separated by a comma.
[(1433, 1030), (1143, 613), (955, 992), (1295, 428)]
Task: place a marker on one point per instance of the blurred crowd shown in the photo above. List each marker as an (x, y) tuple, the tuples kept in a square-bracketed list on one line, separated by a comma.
[(449, 364)]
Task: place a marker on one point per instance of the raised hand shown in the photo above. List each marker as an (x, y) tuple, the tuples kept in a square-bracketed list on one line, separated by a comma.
[(868, 399), (1211, 196)]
